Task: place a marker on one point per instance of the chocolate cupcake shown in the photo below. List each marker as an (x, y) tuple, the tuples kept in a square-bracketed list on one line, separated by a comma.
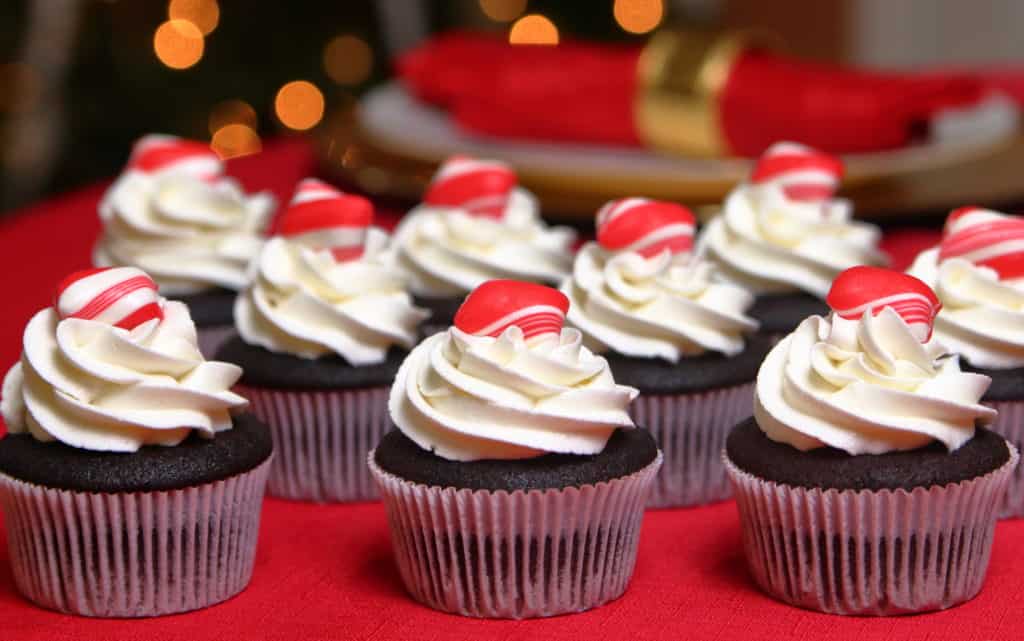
[(476, 224), (174, 214), (978, 274), (322, 331), (784, 236), (516, 483), (863, 481), (670, 329), (124, 477)]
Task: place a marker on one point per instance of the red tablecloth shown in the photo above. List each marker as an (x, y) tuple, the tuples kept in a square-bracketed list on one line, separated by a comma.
[(326, 572)]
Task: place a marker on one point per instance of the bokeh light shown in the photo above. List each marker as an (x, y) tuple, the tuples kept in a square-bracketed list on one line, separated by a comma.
[(299, 105), (20, 87), (348, 60), (230, 112), (638, 16), (533, 29), (178, 44), (503, 10), (204, 14), (234, 140)]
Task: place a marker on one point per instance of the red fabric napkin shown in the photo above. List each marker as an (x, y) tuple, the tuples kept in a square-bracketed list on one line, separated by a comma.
[(582, 92)]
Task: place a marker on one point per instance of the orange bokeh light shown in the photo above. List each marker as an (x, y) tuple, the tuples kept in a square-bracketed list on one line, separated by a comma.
[(204, 14), (234, 140), (638, 16), (503, 10), (348, 60), (533, 29), (178, 44), (229, 112), (299, 105)]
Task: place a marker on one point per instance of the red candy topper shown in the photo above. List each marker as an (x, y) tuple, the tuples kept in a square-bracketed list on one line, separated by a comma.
[(481, 187), (124, 297), (324, 218), (647, 227), (804, 173), (986, 238), (159, 153), (870, 289), (496, 305)]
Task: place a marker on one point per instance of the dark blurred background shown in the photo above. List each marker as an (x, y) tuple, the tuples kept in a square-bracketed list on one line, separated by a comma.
[(81, 79)]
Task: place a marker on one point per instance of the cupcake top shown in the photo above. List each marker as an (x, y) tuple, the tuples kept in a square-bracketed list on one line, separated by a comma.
[(640, 291), (507, 381), (113, 366), (870, 378), (476, 224), (784, 231), (978, 273), (325, 284), (174, 214)]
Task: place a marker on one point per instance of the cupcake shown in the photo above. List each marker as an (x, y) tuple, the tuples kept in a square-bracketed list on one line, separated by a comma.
[(476, 224), (130, 483), (671, 329), (865, 482), (174, 214), (978, 273), (321, 333), (516, 481), (784, 236)]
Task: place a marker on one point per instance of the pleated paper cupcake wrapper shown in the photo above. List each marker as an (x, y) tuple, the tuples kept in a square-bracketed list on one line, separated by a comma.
[(133, 554), (1010, 425), (211, 338), (321, 440), (864, 552), (691, 430), (515, 555)]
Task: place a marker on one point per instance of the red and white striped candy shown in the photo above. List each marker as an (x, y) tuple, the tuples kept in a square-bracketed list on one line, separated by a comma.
[(803, 173), (158, 153), (987, 238), (120, 296), (496, 305), (325, 218), (871, 289), (480, 187), (647, 227)]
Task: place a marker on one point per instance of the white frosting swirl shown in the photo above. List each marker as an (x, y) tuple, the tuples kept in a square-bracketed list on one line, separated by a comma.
[(448, 252), (982, 317), (94, 386), (302, 302), (666, 306), (867, 387), (468, 397), (188, 234), (768, 242)]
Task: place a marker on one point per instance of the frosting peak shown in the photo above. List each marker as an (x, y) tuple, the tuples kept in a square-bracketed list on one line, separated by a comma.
[(94, 380)]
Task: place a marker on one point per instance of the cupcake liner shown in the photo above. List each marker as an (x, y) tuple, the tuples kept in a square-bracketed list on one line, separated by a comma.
[(321, 440), (496, 554), (211, 338), (138, 554), (691, 430), (1010, 425), (868, 552)]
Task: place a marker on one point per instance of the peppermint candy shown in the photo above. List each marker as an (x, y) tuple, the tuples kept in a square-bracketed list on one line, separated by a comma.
[(986, 238), (158, 153), (124, 297), (323, 217), (647, 227), (804, 173), (496, 305), (480, 187), (871, 289)]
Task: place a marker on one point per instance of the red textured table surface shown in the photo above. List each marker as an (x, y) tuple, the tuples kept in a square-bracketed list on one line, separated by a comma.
[(326, 572)]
